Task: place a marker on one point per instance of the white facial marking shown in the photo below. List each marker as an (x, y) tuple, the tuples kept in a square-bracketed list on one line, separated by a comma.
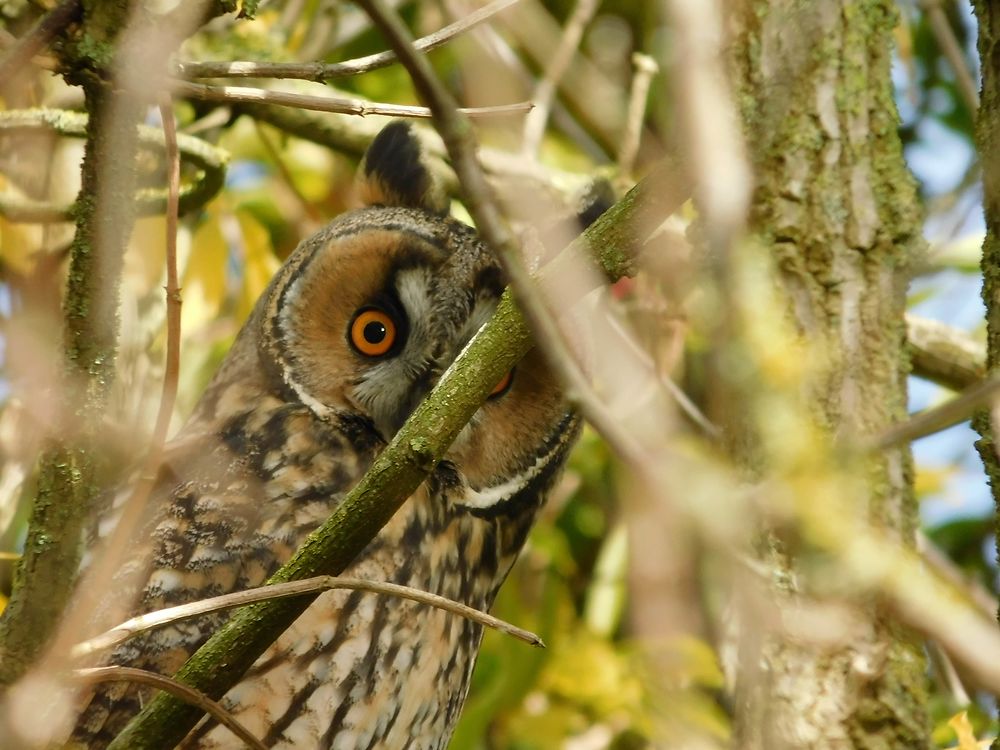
[(489, 497)]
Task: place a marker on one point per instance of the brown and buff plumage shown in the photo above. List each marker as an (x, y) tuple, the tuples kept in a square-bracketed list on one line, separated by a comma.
[(291, 421)]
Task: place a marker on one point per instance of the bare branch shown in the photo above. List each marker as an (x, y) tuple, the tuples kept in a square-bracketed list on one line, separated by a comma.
[(175, 688), (953, 52), (359, 107), (645, 69), (943, 354), (310, 210), (950, 413), (323, 71), (207, 159), (534, 125), (945, 567), (142, 623)]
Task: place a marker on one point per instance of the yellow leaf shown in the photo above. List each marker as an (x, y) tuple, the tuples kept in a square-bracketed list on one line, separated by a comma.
[(146, 257), (259, 262), (18, 244), (204, 281), (963, 732), (932, 480)]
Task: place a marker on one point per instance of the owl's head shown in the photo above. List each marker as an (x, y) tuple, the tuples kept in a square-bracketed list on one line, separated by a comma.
[(366, 315)]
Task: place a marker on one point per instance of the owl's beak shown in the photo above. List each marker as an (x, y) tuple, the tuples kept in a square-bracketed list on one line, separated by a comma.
[(418, 391)]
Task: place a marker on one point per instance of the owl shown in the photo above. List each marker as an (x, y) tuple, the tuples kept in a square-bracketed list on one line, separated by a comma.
[(354, 330)]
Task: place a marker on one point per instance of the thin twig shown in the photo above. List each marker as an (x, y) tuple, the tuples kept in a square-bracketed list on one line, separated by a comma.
[(173, 291), (175, 688), (311, 211), (353, 135), (645, 69), (534, 124), (499, 47), (945, 567), (690, 409), (43, 32), (953, 52), (358, 107), (327, 71), (951, 681), (142, 623), (950, 413)]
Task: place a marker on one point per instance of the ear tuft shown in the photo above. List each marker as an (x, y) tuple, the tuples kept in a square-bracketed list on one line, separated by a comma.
[(394, 172)]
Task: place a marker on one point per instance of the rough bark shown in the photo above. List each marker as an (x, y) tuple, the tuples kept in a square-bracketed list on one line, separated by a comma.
[(988, 143), (65, 485), (837, 209)]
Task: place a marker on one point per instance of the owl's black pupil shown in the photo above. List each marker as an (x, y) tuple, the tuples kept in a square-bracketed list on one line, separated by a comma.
[(375, 332)]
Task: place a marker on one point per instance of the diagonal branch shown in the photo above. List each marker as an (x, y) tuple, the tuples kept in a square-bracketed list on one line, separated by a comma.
[(456, 132), (952, 412)]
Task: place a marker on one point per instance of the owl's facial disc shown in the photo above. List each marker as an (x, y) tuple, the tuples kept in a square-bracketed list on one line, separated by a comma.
[(438, 324), (374, 308)]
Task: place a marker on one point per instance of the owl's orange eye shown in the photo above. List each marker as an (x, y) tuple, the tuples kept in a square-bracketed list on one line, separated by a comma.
[(372, 332), (503, 386)]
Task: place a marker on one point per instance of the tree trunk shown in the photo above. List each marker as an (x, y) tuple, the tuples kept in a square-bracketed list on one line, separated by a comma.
[(837, 209)]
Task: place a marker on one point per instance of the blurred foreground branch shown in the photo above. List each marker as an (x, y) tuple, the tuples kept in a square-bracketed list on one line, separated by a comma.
[(209, 161), (116, 73)]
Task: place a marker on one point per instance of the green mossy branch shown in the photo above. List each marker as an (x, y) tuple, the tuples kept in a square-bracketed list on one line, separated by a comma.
[(988, 143), (394, 476), (66, 487)]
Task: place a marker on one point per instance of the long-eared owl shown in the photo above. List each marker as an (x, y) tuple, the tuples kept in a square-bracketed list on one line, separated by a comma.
[(354, 330)]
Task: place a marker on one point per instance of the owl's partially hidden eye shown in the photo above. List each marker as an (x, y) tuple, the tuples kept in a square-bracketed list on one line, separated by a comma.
[(354, 330)]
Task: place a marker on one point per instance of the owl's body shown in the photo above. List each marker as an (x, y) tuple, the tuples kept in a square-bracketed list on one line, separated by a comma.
[(355, 329)]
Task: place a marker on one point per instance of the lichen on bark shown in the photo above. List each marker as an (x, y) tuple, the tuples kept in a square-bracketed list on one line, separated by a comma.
[(65, 484), (838, 211), (988, 142)]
